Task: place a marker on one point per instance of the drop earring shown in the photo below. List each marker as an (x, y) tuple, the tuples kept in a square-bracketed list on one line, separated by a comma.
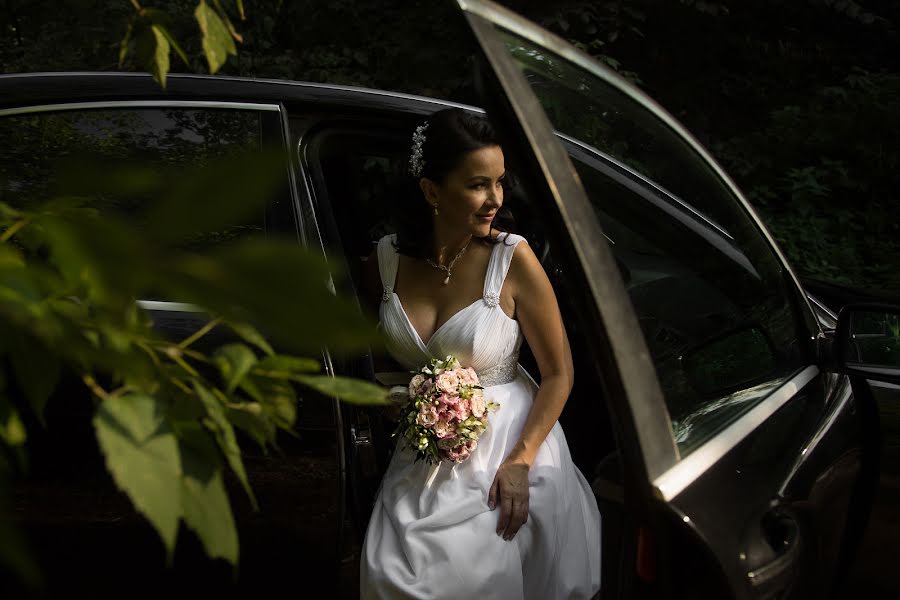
[(434, 206)]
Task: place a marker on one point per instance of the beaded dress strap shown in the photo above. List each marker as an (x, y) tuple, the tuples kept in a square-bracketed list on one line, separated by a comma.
[(498, 266), (388, 260)]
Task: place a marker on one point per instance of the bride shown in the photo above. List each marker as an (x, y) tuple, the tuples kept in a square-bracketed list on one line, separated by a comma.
[(517, 519)]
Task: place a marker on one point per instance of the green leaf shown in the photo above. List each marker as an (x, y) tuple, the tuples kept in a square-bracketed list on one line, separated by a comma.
[(125, 43), (37, 371), (171, 40), (152, 48), (10, 258), (217, 42), (279, 400), (225, 19), (148, 471), (252, 420), (288, 364), (159, 68), (234, 362), (250, 335), (12, 429), (354, 391), (207, 510), (8, 213), (224, 431), (298, 312)]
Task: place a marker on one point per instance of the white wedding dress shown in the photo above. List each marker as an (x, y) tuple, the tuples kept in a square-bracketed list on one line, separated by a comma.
[(432, 534)]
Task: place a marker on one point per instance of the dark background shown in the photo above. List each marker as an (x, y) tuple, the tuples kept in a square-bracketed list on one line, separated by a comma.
[(799, 99)]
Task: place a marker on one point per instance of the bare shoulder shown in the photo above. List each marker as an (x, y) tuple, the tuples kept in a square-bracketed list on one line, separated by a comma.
[(525, 270)]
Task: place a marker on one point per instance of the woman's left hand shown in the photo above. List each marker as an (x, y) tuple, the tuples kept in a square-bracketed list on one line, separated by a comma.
[(510, 491)]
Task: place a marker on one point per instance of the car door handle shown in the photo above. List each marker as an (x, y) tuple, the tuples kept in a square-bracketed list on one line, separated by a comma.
[(783, 532)]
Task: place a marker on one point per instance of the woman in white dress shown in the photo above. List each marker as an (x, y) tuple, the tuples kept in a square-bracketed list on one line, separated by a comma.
[(517, 519)]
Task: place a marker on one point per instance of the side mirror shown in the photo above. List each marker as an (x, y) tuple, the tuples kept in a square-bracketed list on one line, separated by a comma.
[(867, 342)]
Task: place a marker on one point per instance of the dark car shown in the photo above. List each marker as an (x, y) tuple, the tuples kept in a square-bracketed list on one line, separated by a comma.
[(723, 420)]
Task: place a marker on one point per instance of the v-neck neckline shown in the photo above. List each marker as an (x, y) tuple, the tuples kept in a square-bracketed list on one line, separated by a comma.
[(415, 332), (438, 329)]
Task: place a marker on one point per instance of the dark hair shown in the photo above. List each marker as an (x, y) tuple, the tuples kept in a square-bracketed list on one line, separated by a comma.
[(451, 134)]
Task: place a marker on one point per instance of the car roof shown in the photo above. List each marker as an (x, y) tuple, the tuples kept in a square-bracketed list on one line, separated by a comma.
[(27, 89)]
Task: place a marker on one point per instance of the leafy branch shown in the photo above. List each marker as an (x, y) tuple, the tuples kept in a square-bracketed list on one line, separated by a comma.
[(166, 412), (149, 37)]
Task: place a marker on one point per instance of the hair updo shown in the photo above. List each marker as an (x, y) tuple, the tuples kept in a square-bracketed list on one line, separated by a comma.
[(451, 134)]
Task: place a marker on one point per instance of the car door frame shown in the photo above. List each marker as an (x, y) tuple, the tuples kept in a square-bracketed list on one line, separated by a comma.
[(636, 400)]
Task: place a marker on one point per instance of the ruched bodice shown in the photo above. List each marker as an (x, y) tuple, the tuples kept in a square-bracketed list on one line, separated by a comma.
[(480, 335)]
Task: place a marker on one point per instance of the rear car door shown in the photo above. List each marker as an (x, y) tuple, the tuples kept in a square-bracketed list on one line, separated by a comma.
[(296, 532), (741, 456)]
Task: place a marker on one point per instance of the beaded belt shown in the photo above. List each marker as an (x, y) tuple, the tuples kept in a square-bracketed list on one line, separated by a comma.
[(504, 372)]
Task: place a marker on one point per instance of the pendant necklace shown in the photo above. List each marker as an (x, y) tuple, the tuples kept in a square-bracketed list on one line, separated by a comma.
[(448, 268)]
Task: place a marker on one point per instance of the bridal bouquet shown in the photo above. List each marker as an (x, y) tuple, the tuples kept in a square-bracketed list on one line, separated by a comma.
[(445, 413)]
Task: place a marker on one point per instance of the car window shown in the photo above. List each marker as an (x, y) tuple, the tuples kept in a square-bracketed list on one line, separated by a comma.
[(46, 154), (714, 303)]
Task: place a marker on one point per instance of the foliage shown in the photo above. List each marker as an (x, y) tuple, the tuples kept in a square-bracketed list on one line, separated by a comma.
[(166, 411), (148, 35), (798, 100)]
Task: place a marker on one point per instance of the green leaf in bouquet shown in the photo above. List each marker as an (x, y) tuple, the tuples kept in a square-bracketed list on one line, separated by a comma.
[(207, 510), (142, 456), (224, 433), (234, 362), (353, 391)]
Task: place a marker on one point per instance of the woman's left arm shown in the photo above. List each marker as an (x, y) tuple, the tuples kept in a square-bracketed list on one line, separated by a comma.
[(538, 314)]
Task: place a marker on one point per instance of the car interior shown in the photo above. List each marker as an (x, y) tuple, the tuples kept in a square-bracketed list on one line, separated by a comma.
[(353, 168)]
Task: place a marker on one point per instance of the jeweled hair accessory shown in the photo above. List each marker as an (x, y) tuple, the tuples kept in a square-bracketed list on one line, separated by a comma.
[(416, 163)]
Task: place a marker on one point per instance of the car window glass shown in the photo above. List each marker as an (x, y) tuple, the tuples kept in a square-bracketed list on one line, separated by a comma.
[(47, 154), (711, 296)]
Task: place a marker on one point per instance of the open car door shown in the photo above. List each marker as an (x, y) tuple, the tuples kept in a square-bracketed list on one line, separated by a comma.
[(741, 456)]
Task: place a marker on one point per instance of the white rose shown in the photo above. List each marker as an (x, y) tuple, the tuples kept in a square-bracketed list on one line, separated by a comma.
[(415, 384)]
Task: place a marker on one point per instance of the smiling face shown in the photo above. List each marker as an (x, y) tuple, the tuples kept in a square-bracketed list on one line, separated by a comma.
[(471, 194)]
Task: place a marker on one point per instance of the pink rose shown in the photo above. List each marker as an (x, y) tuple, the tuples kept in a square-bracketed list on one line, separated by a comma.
[(442, 428), (427, 416), (415, 385), (448, 400), (463, 409), (462, 451), (448, 382), (468, 376)]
